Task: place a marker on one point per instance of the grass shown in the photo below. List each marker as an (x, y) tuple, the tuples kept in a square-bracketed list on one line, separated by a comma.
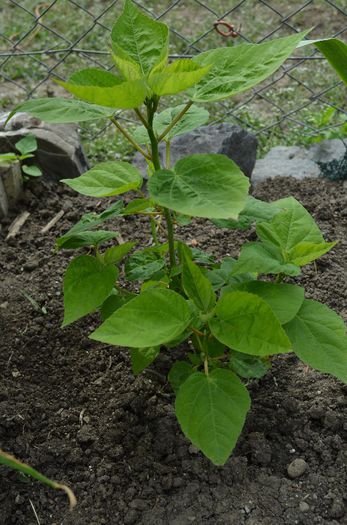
[(192, 24)]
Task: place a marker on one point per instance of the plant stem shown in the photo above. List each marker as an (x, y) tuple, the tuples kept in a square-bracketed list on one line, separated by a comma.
[(129, 138), (151, 108), (154, 231), (206, 366), (167, 155), (175, 120), (141, 117), (279, 278)]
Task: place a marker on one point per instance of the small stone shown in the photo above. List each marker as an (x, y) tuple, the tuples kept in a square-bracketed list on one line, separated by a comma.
[(338, 509), (130, 517), (303, 506), (193, 450), (297, 468), (31, 265), (86, 434)]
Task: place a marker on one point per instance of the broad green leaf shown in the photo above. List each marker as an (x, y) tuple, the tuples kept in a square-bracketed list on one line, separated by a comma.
[(239, 68), (85, 238), (87, 283), (140, 39), (115, 254), (138, 206), (107, 179), (144, 264), (142, 357), (94, 77), (179, 372), (89, 221), (224, 277), (128, 69), (152, 318), (161, 281), (285, 300), (126, 95), (318, 337), (248, 366), (177, 77), (254, 211), (13, 463), (115, 301), (306, 252), (202, 257), (197, 287), (27, 144), (61, 110), (204, 185), (195, 117), (32, 171), (263, 258), (290, 227), (335, 51), (211, 411), (246, 323)]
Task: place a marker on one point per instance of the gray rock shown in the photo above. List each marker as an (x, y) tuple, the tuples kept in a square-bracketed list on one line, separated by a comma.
[(297, 468), (233, 141), (285, 161), (86, 434), (59, 154), (303, 506), (328, 150)]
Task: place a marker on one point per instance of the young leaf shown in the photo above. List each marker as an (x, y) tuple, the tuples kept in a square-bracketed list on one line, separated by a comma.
[(95, 77), (204, 185), (306, 252), (27, 144), (263, 258), (13, 463), (107, 179), (211, 410), (142, 357), (197, 287), (285, 300), (139, 39), (178, 76), (152, 318), (32, 171), (89, 221), (115, 301), (335, 51), (238, 68), (115, 254), (138, 206), (87, 283), (318, 337), (85, 238), (248, 366), (255, 210), (246, 323), (195, 117), (143, 265), (61, 110), (124, 95), (179, 373), (8, 157)]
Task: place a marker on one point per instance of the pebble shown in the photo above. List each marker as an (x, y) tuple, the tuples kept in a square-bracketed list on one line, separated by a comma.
[(297, 468), (303, 506), (338, 509), (31, 265), (86, 434)]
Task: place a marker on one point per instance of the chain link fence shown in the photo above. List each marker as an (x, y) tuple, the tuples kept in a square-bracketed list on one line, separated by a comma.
[(302, 102)]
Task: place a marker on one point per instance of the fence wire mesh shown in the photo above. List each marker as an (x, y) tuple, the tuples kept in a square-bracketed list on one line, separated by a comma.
[(43, 41)]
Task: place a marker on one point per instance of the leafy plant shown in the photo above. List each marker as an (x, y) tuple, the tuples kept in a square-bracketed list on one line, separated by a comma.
[(26, 148), (230, 319)]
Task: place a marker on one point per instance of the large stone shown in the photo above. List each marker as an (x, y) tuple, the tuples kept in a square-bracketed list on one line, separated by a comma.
[(285, 161), (233, 141), (59, 153), (12, 179), (331, 157)]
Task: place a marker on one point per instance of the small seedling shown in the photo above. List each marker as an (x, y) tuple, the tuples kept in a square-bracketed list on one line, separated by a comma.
[(26, 148), (230, 319)]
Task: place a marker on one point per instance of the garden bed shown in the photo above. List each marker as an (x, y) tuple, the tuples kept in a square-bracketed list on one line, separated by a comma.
[(73, 409)]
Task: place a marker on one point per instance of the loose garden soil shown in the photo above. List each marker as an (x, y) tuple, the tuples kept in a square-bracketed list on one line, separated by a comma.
[(73, 409)]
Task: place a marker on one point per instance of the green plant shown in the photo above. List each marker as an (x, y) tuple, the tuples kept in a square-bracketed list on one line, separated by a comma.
[(26, 470), (26, 147), (231, 321)]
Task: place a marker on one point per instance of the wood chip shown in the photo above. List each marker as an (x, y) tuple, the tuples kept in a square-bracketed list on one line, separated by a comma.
[(17, 224), (52, 222)]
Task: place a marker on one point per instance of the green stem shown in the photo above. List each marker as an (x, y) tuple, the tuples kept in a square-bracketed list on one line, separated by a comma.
[(175, 120), (141, 117), (151, 108), (129, 138), (279, 278), (154, 231)]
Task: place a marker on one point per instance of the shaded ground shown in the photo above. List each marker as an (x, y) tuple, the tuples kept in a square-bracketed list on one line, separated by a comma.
[(72, 408)]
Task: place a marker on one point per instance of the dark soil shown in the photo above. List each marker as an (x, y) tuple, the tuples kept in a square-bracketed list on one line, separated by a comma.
[(72, 408)]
